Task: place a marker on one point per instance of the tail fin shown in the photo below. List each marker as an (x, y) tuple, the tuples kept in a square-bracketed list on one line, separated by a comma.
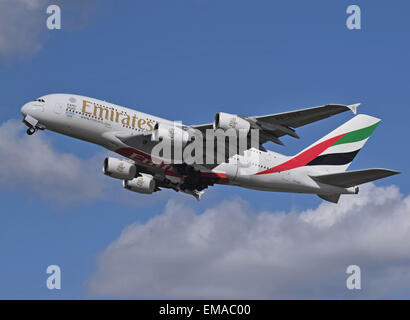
[(337, 150)]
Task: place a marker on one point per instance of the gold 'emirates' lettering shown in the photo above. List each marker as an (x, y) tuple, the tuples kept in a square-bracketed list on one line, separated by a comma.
[(101, 110), (150, 126), (127, 120), (114, 116), (141, 122), (85, 105)]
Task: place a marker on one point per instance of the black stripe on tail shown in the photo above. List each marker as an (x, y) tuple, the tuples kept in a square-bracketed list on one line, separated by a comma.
[(334, 159)]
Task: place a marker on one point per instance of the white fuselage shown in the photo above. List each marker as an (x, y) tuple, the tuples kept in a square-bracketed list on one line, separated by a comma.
[(99, 122)]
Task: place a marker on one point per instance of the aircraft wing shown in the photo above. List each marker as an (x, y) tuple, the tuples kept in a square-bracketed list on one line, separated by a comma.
[(273, 126)]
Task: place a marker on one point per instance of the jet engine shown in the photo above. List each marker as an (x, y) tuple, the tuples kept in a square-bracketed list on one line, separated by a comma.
[(119, 169), (170, 133), (142, 184), (227, 121)]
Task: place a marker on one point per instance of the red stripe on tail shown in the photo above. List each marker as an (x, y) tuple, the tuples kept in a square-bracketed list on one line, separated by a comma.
[(305, 157)]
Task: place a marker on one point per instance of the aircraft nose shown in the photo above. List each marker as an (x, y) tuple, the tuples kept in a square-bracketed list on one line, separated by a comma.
[(25, 109)]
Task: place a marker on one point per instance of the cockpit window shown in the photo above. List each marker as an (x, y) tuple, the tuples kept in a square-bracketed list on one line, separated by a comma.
[(40, 100)]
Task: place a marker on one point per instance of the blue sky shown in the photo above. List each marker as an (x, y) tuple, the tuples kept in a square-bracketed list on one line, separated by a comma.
[(186, 60)]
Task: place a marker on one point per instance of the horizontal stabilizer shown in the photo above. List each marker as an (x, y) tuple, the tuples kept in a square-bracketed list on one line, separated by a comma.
[(354, 178)]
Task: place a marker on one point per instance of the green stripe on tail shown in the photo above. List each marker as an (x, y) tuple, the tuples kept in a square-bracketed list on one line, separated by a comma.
[(357, 135)]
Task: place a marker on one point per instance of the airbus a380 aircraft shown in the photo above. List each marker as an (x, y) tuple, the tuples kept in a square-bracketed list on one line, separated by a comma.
[(319, 169)]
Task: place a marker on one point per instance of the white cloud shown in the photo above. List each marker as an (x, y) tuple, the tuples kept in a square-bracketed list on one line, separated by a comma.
[(23, 28), (32, 164), (229, 251)]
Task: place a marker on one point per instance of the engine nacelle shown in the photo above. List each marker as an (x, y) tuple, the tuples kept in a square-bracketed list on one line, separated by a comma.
[(119, 169), (170, 134), (227, 121), (143, 184)]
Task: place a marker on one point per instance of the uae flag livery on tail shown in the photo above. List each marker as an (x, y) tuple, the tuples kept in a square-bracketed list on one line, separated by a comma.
[(350, 138), (335, 150)]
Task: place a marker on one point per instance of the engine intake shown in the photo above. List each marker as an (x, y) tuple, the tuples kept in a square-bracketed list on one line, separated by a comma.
[(227, 121), (170, 134), (119, 169), (142, 184)]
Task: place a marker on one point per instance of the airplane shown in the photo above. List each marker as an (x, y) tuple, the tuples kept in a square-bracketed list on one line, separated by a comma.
[(319, 169)]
